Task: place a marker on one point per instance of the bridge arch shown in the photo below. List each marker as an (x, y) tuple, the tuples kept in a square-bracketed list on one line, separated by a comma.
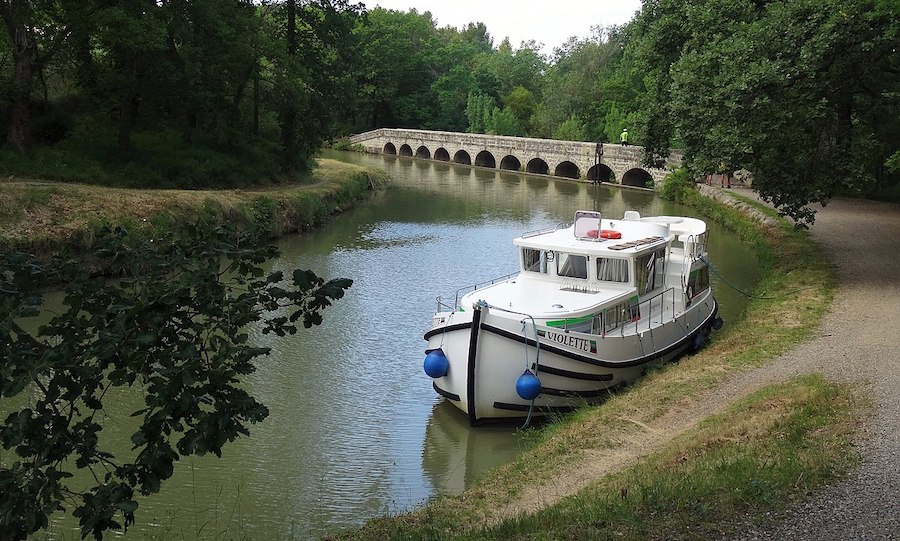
[(462, 157), (441, 154), (405, 150), (566, 169), (485, 159), (389, 148), (510, 163), (537, 166), (601, 172), (637, 177), (423, 153)]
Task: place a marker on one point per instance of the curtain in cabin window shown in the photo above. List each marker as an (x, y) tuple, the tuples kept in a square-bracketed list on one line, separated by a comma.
[(612, 270)]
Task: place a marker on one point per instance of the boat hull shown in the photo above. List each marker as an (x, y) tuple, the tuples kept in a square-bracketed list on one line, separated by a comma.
[(488, 349)]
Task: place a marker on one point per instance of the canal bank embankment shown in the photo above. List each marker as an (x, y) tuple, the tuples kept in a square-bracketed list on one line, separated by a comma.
[(697, 449), (44, 216)]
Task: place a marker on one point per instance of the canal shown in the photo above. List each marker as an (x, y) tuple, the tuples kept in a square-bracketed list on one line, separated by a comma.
[(355, 429)]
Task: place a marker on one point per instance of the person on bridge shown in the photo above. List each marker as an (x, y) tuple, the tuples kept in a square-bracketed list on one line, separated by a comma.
[(624, 136)]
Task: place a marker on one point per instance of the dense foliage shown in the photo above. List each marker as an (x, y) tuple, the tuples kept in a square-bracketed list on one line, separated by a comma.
[(804, 94), (172, 92), (172, 331)]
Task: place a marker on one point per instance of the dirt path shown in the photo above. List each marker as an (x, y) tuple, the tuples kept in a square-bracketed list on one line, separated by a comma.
[(859, 341)]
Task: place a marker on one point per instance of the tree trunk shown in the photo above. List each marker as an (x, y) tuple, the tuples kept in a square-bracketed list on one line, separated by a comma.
[(19, 112), (289, 113), (256, 104), (126, 103), (23, 50)]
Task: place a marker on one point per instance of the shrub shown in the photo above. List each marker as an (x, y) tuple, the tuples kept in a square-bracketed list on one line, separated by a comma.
[(677, 185)]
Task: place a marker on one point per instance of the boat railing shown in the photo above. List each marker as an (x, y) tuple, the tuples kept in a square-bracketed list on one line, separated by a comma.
[(698, 245), (642, 316), (463, 290), (660, 300), (634, 317), (545, 230)]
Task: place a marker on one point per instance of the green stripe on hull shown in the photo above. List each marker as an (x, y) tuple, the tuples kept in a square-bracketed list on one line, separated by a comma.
[(566, 322)]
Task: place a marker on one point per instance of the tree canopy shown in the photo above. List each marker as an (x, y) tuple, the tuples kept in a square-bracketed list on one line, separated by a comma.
[(232, 77), (805, 95)]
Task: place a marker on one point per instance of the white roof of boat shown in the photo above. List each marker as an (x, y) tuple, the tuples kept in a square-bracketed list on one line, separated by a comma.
[(638, 234)]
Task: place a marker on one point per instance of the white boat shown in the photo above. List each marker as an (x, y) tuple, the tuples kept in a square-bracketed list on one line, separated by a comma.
[(594, 304)]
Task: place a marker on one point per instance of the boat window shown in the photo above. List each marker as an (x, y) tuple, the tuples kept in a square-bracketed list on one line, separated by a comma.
[(534, 260), (573, 266), (650, 270), (612, 269), (698, 282)]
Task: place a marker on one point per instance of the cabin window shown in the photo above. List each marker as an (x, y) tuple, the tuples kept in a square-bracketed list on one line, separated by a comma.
[(572, 266), (534, 260), (612, 269), (698, 282), (650, 271)]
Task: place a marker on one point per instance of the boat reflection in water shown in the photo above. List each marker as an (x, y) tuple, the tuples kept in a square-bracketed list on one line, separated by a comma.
[(455, 455)]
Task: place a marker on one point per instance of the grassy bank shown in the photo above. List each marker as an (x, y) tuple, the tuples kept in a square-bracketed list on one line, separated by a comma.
[(43, 215), (643, 465)]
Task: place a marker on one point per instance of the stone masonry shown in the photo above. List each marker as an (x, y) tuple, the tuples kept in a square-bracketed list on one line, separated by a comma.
[(542, 156)]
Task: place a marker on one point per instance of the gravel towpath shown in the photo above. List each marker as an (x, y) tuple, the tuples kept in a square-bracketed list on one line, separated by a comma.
[(859, 342)]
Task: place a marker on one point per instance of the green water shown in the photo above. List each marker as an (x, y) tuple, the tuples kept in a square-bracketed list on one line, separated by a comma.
[(356, 430)]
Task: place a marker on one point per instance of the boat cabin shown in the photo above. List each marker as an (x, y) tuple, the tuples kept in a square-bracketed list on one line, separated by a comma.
[(600, 254), (600, 273)]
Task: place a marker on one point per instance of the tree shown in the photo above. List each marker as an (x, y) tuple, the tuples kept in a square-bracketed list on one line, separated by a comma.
[(452, 90), (571, 130), (397, 68), (521, 103), (213, 52), (173, 330), (592, 79), (802, 94), (36, 30), (479, 110), (134, 33), (504, 122), (310, 70), (499, 72)]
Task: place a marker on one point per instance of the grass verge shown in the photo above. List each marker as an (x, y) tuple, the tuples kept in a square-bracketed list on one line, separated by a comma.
[(782, 440), (42, 216), (589, 474)]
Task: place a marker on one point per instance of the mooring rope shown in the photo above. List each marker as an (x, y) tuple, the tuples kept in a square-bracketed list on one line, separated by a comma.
[(744, 293)]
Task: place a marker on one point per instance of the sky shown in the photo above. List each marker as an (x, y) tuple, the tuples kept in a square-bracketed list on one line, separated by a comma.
[(546, 21)]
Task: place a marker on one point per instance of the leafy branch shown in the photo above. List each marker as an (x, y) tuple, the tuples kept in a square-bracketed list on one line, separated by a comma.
[(173, 329)]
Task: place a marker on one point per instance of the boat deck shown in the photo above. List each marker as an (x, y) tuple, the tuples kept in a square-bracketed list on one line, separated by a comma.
[(545, 299)]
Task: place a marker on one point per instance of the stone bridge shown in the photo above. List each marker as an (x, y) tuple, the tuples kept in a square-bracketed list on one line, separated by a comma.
[(571, 159)]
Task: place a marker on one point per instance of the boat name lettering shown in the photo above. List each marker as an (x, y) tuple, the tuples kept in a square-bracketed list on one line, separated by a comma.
[(570, 341)]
